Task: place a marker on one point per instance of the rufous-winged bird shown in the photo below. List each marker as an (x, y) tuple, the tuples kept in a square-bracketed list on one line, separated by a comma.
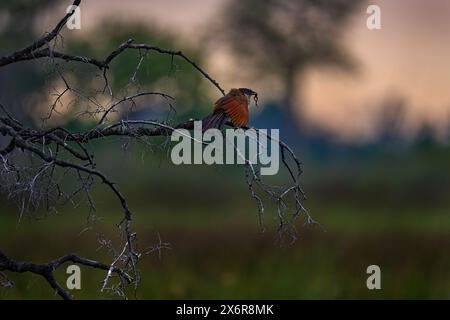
[(231, 107)]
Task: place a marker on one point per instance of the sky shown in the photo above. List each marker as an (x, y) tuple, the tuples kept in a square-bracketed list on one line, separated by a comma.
[(407, 60)]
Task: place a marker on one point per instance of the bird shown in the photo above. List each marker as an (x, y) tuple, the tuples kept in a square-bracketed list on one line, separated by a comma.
[(231, 107)]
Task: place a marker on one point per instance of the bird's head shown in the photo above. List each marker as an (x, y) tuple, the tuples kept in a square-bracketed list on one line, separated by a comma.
[(250, 93)]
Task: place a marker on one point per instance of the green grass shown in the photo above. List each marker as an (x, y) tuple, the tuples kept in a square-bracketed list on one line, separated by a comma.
[(222, 254), (390, 213)]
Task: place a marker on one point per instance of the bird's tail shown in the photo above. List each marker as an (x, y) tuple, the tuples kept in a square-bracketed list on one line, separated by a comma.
[(216, 120)]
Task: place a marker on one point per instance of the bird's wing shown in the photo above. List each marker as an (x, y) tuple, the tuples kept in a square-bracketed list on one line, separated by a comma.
[(236, 107), (215, 120)]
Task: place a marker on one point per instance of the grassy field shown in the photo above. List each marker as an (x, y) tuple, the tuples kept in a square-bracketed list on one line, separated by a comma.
[(225, 256), (386, 216)]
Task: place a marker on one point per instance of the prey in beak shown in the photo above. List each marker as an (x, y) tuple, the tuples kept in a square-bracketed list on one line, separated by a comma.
[(250, 93)]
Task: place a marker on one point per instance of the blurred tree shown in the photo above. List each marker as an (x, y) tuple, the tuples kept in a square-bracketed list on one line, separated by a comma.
[(390, 121), (18, 28), (158, 72), (17, 22), (425, 139), (281, 38)]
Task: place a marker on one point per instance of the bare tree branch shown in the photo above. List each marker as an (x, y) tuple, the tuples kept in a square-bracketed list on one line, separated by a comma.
[(35, 162), (47, 270)]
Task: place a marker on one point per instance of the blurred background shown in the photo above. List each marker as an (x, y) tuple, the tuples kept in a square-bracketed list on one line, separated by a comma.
[(367, 112)]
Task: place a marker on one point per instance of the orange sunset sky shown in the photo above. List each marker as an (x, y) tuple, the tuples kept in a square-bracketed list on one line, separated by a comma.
[(407, 59)]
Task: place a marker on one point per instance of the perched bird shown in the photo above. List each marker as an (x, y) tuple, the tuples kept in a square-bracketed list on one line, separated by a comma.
[(231, 107)]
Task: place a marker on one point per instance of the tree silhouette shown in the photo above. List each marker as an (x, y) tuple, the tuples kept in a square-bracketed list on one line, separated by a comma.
[(282, 38)]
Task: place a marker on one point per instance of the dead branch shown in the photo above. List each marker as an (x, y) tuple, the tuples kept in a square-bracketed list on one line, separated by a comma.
[(47, 270), (35, 162)]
